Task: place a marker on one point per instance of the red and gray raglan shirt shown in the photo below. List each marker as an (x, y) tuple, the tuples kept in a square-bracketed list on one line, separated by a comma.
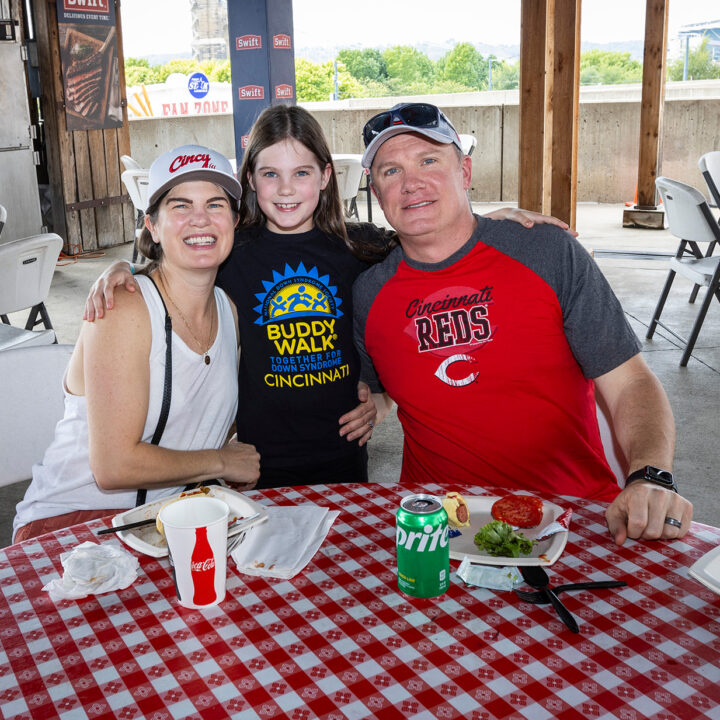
[(490, 356)]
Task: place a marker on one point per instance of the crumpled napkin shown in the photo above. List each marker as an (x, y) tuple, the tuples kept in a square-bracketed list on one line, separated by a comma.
[(486, 576), (285, 544), (91, 569)]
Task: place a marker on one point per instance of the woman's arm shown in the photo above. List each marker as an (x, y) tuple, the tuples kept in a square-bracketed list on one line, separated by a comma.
[(101, 294), (528, 218), (117, 381)]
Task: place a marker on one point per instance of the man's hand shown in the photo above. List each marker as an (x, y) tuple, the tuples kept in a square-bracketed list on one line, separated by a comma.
[(101, 293), (241, 464), (639, 512), (528, 218), (358, 423)]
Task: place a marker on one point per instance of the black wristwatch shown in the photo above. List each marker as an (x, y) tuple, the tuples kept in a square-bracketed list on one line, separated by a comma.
[(663, 478)]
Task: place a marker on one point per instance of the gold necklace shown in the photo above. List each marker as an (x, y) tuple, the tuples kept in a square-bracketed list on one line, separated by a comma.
[(187, 324)]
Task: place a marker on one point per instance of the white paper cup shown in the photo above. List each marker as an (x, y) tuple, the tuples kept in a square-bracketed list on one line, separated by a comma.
[(196, 533)]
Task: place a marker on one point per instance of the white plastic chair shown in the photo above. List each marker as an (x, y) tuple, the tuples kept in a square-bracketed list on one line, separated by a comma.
[(709, 165), (31, 389), (3, 218), (13, 337), (136, 181), (690, 219), (468, 143), (129, 163), (349, 172), (26, 271)]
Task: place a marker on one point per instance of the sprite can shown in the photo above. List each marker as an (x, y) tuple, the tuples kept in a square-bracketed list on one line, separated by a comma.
[(423, 553)]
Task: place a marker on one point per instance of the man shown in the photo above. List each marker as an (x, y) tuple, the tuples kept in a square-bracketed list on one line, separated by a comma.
[(494, 344)]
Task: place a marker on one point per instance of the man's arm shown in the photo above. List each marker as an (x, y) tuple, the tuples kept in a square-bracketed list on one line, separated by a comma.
[(642, 419)]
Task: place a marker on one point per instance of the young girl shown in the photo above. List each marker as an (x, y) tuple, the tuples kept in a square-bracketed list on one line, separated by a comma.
[(290, 276)]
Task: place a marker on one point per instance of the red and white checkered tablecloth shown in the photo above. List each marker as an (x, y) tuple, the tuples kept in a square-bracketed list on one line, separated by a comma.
[(340, 641)]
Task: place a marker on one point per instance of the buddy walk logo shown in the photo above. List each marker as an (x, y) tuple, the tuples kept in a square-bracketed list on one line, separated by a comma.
[(299, 309)]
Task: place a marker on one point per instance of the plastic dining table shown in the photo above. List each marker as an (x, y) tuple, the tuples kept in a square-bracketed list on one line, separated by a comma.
[(339, 640)]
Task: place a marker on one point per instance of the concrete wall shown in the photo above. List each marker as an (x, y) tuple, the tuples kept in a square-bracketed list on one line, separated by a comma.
[(608, 137)]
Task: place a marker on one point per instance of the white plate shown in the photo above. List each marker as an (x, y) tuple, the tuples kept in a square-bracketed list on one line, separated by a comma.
[(545, 552), (148, 540), (707, 570)]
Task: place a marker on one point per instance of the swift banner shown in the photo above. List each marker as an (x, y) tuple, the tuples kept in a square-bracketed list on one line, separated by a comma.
[(88, 53), (262, 61)]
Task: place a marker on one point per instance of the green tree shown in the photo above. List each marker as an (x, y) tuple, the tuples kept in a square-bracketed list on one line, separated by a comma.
[(600, 67), (139, 72), (314, 81), (367, 64), (184, 67), (701, 66), (408, 65), (505, 76), (464, 65)]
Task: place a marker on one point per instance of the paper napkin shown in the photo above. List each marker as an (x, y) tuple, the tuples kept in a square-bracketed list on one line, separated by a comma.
[(91, 569), (285, 544)]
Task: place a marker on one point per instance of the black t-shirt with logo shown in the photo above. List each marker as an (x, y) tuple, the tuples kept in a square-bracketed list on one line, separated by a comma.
[(298, 366)]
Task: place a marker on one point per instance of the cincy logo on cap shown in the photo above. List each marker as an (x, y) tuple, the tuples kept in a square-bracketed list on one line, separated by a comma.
[(200, 161)]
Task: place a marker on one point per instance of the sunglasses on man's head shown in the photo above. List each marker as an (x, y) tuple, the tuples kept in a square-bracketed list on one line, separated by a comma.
[(418, 115)]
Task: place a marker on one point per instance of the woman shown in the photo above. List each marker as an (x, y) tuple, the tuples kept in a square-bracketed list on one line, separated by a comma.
[(112, 441)]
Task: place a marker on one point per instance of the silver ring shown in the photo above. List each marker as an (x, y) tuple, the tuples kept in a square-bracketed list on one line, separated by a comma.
[(673, 522), (371, 424)]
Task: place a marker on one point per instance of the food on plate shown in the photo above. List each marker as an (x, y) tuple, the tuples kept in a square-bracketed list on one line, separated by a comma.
[(497, 538), (456, 509), (518, 510), (197, 492)]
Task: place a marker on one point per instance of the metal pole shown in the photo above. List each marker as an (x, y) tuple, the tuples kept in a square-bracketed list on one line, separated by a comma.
[(489, 73), (687, 54), (337, 93)]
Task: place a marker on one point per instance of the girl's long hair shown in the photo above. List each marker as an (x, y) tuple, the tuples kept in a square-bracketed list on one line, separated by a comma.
[(283, 122)]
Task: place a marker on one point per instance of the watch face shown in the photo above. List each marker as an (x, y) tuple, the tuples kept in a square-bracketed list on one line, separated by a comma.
[(661, 477)]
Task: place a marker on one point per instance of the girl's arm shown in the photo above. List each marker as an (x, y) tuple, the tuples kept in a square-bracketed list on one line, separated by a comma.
[(101, 294), (528, 218), (117, 381), (356, 424)]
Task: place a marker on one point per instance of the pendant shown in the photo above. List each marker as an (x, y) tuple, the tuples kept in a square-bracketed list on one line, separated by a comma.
[(207, 359)]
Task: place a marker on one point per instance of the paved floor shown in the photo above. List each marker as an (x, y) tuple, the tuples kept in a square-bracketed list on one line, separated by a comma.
[(694, 391)]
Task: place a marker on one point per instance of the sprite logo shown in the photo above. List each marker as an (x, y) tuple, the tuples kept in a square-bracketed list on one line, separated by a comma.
[(428, 539)]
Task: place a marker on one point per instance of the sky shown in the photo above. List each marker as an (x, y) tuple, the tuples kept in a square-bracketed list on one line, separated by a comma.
[(163, 26)]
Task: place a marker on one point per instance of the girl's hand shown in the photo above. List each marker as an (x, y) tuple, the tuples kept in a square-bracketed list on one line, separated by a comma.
[(358, 423), (101, 293), (241, 464), (528, 218)]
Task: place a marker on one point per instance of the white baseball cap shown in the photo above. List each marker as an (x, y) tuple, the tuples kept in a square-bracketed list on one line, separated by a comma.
[(187, 163)]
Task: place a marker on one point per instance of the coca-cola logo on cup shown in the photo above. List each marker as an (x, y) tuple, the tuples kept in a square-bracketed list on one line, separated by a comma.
[(204, 566)]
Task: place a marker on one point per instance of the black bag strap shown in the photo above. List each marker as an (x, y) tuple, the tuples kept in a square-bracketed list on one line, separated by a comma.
[(141, 496)]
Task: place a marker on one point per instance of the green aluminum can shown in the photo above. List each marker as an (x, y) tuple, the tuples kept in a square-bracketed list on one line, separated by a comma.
[(423, 552)]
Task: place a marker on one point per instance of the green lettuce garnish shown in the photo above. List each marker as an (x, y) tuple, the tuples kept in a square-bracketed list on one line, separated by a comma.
[(498, 539)]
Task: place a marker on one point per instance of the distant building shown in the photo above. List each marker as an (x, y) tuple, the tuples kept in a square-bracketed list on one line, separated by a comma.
[(210, 29)]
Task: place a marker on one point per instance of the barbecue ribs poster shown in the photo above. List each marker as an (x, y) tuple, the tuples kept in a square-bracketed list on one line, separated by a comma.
[(88, 52)]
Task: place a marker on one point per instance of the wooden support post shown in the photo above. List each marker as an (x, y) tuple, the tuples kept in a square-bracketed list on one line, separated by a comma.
[(566, 87), (536, 52), (646, 213)]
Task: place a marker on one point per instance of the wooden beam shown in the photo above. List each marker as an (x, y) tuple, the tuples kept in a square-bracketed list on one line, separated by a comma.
[(536, 46), (653, 95), (566, 87)]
